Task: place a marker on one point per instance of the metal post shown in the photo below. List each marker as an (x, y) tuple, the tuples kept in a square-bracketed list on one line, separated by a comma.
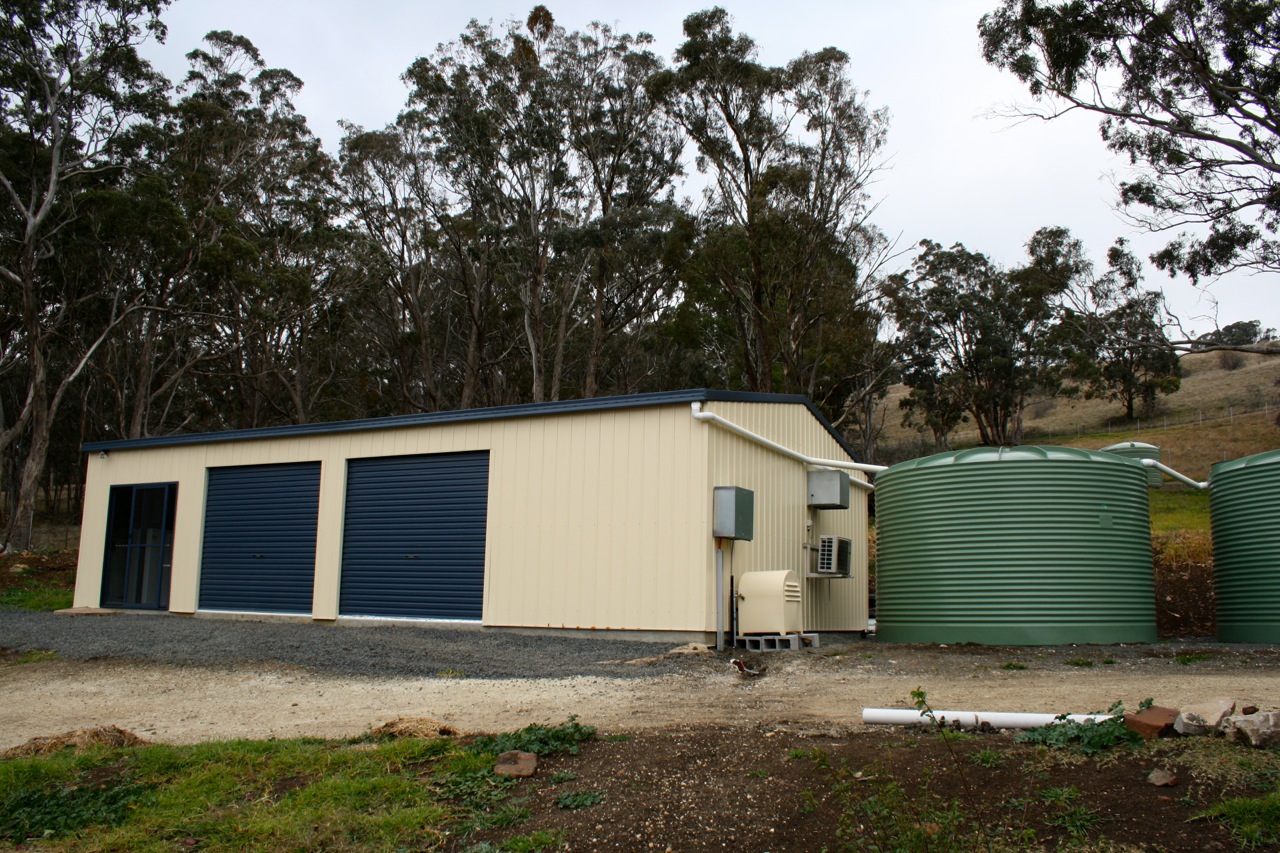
[(719, 595)]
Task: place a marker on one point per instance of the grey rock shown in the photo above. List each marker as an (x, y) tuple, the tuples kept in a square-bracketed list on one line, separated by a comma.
[(1162, 778), (1204, 718), (1258, 730)]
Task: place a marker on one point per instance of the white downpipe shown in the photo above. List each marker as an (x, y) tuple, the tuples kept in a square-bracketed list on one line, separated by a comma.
[(711, 417), (1165, 469), (970, 719)]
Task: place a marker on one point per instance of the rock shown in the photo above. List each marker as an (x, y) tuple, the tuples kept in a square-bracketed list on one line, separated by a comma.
[(1258, 730), (516, 763), (1247, 709), (18, 568), (1205, 718), (1162, 779), (1151, 723)]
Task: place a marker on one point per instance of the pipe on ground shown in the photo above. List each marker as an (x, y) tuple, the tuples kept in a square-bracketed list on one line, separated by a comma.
[(970, 719)]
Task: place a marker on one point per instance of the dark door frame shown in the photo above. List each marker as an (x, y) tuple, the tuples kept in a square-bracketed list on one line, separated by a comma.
[(135, 553)]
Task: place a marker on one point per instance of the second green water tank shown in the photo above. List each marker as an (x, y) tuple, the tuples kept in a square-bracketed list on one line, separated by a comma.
[(1244, 507), (1014, 546), (1139, 450)]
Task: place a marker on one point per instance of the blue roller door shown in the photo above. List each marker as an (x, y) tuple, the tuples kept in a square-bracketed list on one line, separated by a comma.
[(260, 538), (413, 541)]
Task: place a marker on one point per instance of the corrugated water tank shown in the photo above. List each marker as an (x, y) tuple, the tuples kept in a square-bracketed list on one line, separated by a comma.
[(1139, 450), (1015, 546), (1244, 508)]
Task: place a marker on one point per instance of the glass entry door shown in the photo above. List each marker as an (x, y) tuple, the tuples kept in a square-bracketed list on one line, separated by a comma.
[(139, 546)]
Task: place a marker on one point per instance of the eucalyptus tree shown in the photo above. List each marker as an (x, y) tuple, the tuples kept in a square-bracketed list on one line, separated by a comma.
[(71, 86), (789, 152), (1187, 90)]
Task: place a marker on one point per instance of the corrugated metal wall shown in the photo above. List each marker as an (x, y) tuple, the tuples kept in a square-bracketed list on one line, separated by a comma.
[(596, 520), (781, 493)]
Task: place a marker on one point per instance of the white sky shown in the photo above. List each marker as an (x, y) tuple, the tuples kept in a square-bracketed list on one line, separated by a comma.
[(956, 175)]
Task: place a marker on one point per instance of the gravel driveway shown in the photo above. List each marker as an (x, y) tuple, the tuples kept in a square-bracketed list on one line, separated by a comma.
[(376, 651)]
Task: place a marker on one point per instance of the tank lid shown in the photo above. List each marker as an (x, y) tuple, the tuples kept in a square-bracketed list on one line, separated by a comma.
[(1270, 457), (1129, 445), (1022, 453)]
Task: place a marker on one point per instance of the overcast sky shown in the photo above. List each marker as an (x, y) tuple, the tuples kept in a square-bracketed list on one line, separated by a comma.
[(955, 174)]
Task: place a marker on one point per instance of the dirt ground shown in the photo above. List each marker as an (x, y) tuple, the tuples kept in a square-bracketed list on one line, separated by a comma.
[(822, 690)]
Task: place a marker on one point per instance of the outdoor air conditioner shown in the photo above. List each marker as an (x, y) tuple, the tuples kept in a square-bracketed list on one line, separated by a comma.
[(835, 556)]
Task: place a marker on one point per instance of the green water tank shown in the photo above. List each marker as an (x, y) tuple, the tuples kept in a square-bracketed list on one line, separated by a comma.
[(1014, 546), (1244, 508), (1139, 450)]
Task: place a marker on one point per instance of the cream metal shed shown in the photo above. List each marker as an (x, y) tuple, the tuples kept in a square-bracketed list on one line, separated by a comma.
[(585, 514)]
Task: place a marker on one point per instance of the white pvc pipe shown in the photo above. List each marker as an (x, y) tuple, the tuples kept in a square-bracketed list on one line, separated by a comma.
[(711, 417), (1165, 469), (970, 719)]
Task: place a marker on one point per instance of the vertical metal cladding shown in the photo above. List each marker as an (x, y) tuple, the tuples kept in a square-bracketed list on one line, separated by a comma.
[(1015, 546), (1245, 514), (1139, 450)]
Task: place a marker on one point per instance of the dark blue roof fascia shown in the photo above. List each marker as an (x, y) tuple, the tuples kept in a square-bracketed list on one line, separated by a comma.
[(526, 410)]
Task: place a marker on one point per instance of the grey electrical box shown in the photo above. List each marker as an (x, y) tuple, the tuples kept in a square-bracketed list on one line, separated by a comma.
[(733, 513), (828, 489)]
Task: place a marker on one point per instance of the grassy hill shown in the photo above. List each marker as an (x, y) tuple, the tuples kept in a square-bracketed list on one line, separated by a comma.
[(1223, 411)]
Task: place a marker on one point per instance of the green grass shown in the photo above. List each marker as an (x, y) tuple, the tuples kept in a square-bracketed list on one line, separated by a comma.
[(1183, 509), (36, 595), (35, 656), (1252, 821), (303, 794)]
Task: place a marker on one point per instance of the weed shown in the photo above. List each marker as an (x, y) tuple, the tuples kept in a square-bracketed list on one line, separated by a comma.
[(575, 800), (1059, 796), (986, 758), (451, 672), (1013, 665), (531, 843), (619, 738), (758, 774), (1108, 661), (1088, 736), (1252, 821), (44, 813), (538, 739), (1077, 821), (808, 801), (1079, 662), (562, 776), (1196, 657)]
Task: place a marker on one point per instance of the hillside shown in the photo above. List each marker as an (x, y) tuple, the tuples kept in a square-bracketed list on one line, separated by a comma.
[(1219, 413)]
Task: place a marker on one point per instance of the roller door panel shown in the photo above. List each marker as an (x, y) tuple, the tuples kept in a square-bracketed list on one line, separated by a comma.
[(260, 538), (414, 536)]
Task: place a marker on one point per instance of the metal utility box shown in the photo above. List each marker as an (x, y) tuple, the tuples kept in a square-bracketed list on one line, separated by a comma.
[(733, 513), (769, 603), (829, 489)]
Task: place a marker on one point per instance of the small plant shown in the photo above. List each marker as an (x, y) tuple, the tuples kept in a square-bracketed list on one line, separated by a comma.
[(538, 739), (619, 738), (1089, 736), (575, 800), (1059, 796), (758, 774), (1108, 661), (451, 673), (1195, 657), (1013, 665), (36, 656), (1079, 662), (1077, 821), (986, 758), (562, 776)]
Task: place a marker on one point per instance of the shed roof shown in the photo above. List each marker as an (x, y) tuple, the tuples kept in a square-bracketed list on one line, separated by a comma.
[(527, 410)]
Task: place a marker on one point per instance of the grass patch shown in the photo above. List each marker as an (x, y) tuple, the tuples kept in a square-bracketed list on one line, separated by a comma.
[(1195, 657), (35, 656), (1079, 662), (303, 794), (1177, 510), (34, 594), (1013, 665), (1252, 821)]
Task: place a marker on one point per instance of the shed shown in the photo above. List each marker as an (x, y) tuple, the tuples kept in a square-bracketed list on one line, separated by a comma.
[(584, 514)]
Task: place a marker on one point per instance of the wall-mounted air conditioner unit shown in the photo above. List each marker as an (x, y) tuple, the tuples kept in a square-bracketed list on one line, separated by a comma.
[(835, 556)]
